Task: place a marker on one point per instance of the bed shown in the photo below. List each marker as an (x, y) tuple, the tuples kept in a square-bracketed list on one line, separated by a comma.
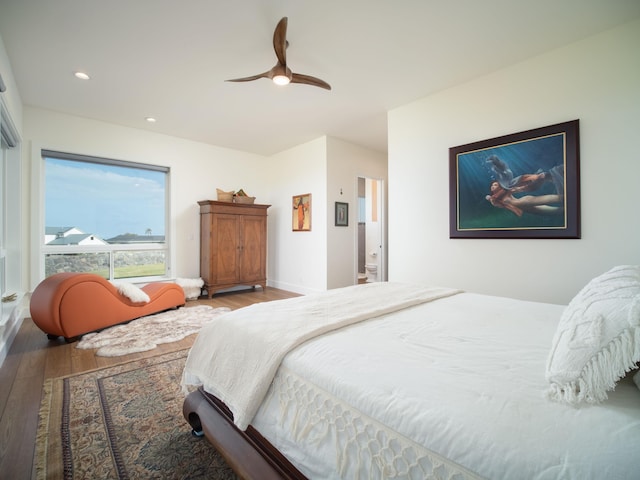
[(392, 380)]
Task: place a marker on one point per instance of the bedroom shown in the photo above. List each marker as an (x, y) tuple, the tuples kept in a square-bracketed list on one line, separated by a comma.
[(594, 79), (581, 80)]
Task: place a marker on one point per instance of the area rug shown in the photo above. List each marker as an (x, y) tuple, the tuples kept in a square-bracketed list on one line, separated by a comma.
[(146, 333), (122, 422)]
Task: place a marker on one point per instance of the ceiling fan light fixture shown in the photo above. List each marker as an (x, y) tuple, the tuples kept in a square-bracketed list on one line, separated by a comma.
[(281, 74), (281, 80)]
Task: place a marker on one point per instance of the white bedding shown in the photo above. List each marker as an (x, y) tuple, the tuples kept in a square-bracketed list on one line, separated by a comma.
[(457, 386), (236, 357)]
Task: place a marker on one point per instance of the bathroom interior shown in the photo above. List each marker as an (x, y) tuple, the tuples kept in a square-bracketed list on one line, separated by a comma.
[(370, 236)]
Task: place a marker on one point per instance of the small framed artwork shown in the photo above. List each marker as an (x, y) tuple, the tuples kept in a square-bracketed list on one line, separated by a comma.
[(342, 214), (523, 185), (301, 218)]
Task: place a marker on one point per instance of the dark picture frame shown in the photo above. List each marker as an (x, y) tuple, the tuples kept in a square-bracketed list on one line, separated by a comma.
[(301, 216), (342, 214), (522, 185)]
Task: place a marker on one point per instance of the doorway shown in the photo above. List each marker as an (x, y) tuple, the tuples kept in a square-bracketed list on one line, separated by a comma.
[(370, 231)]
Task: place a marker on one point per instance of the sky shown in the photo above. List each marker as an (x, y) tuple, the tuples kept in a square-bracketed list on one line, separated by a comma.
[(104, 200)]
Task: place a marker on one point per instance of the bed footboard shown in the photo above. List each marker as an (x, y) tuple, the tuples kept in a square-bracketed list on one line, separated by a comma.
[(248, 453)]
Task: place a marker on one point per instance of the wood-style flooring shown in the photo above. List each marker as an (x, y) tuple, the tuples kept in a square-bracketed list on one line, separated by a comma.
[(33, 358)]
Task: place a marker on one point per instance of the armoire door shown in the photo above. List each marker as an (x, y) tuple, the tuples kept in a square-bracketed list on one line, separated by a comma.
[(253, 248), (226, 249)]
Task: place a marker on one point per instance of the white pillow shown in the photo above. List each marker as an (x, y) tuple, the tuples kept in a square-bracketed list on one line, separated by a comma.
[(133, 293), (598, 338)]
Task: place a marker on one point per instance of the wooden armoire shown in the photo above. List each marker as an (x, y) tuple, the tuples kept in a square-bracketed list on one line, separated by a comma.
[(233, 245)]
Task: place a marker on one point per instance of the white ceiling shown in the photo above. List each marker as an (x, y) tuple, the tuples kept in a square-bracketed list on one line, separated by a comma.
[(169, 59)]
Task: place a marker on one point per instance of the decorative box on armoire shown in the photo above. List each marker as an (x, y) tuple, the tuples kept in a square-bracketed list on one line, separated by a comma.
[(233, 245)]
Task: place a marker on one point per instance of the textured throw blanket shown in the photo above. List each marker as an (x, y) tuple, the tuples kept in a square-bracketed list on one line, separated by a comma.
[(236, 356)]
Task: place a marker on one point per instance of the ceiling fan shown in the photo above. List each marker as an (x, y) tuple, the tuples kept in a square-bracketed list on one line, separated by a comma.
[(281, 74)]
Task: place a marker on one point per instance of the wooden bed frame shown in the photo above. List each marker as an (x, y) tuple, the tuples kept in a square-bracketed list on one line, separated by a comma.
[(247, 452)]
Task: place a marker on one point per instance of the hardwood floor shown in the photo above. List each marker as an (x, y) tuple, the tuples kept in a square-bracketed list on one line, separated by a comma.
[(33, 358)]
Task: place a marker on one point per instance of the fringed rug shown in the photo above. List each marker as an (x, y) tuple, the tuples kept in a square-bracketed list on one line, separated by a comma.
[(146, 333), (122, 422)]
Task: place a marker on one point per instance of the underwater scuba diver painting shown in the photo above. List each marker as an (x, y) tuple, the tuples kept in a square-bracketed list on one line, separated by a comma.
[(523, 185)]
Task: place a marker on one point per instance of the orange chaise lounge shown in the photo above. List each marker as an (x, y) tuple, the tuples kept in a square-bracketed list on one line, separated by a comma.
[(71, 304)]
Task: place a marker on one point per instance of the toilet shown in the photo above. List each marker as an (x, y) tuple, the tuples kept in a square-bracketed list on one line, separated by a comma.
[(372, 272)]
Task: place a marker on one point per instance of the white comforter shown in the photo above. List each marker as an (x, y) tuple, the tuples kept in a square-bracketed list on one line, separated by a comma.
[(448, 389), (236, 357)]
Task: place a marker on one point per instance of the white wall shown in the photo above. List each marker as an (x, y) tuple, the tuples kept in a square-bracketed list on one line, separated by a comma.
[(597, 81), (197, 170), (308, 262), (325, 257), (347, 162), (297, 260)]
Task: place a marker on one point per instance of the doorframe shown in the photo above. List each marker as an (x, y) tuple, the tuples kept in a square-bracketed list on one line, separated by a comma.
[(382, 225)]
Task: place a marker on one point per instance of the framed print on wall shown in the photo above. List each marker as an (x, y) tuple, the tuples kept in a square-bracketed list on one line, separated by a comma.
[(342, 214), (523, 185), (301, 218)]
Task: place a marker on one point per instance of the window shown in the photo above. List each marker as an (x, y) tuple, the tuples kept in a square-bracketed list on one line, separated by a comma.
[(10, 214), (104, 216)]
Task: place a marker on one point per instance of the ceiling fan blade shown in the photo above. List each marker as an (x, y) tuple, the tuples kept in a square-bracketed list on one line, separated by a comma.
[(251, 78), (309, 80), (280, 41)]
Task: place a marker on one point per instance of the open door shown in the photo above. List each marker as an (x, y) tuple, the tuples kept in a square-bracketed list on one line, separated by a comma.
[(371, 238)]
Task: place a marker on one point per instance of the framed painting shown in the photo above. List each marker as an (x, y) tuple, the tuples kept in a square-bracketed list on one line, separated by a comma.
[(301, 218), (523, 185), (342, 214)]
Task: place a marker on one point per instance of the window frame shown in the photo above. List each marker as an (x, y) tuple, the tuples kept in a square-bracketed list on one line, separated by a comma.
[(10, 216)]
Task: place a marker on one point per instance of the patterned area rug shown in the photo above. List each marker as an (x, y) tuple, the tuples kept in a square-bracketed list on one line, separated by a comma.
[(122, 422), (146, 333)]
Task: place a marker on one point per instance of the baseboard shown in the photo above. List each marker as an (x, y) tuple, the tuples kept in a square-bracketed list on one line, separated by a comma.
[(289, 287)]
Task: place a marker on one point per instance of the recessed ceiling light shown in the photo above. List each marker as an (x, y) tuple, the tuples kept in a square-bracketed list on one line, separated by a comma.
[(82, 76), (150, 119)]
